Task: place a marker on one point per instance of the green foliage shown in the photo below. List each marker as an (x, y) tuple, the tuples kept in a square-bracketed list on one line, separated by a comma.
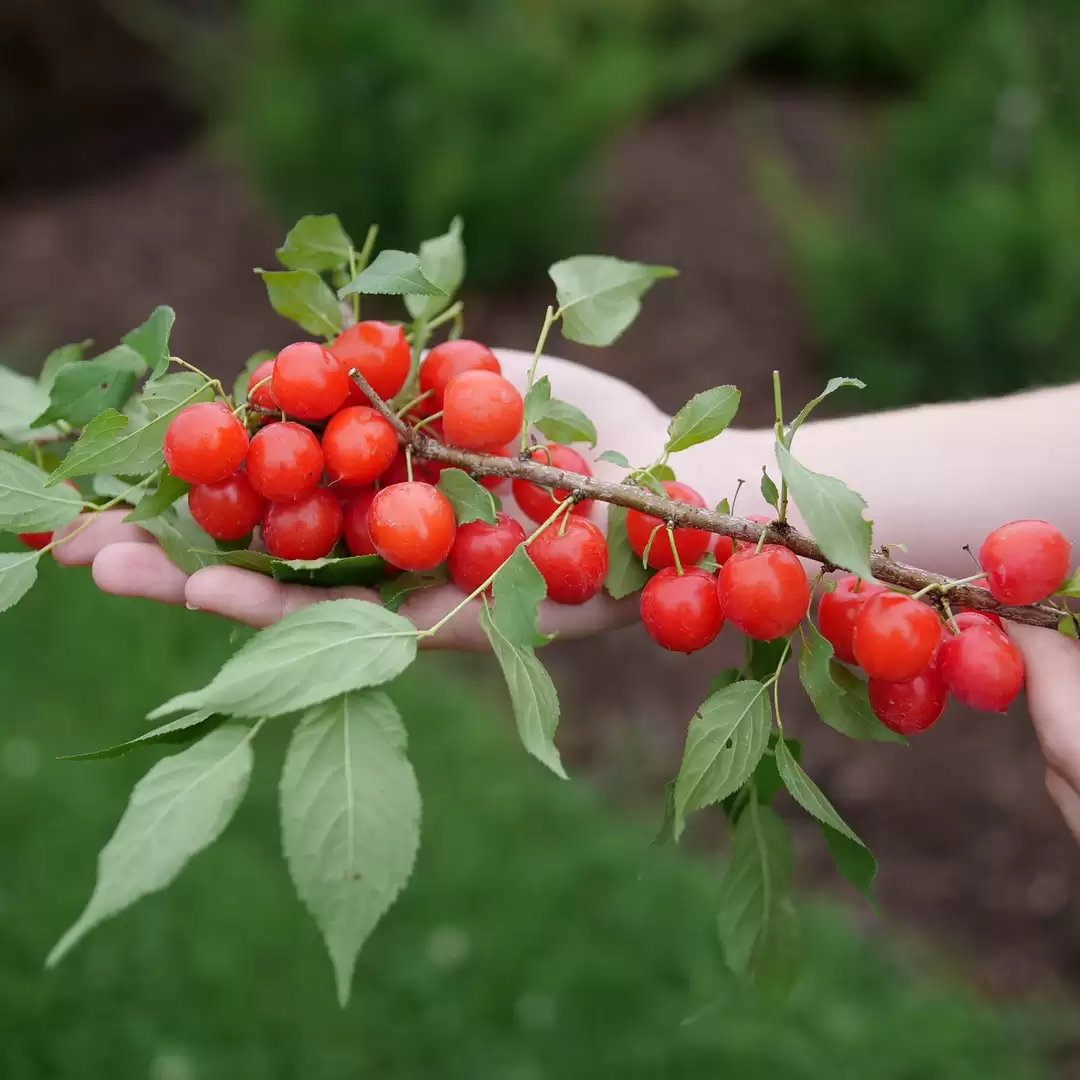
[(702, 418), (471, 501), (625, 574)]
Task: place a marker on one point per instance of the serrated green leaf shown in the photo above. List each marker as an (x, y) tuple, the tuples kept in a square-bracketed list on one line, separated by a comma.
[(1071, 587), (310, 656), (807, 794), (151, 340), (600, 296), (442, 262), (156, 502), (518, 589), (625, 573), (664, 833), (180, 537), (537, 400), (1067, 626), (471, 501), (723, 507), (723, 679), (26, 504), (830, 388), (22, 401), (393, 591), (724, 743), (702, 418), (304, 298), (532, 695), (615, 458), (853, 860), (833, 513), (663, 473), (351, 570), (350, 820), (392, 273), (182, 730), (766, 656), (316, 242), (768, 490), (83, 389), (18, 572), (177, 809), (565, 423), (58, 358), (243, 380)]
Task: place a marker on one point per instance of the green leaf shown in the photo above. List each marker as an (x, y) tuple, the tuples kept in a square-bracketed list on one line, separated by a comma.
[(518, 590), (350, 820), (18, 572), (442, 262), (187, 546), (565, 423), (600, 296), (532, 694), (26, 504), (723, 679), (180, 807), (392, 273), (303, 297), (702, 418), (778, 958), (807, 794), (22, 401), (352, 570), (853, 860), (664, 834), (625, 573), (1067, 626), (243, 380), (768, 490), (658, 531), (1071, 587), (726, 739), (830, 388), (765, 657), (151, 340), (537, 400), (708, 563), (168, 490), (615, 458), (58, 358), (182, 730), (82, 390), (471, 501), (723, 507), (394, 590), (663, 473), (833, 513), (316, 242), (309, 656)]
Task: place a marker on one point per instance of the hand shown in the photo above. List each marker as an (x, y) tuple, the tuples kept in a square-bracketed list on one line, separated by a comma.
[(127, 561)]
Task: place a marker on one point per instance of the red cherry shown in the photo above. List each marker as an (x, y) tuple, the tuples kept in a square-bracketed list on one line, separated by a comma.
[(480, 549), (227, 510), (355, 506), (261, 396), (379, 351), (910, 706), (307, 528), (358, 445), (682, 612), (895, 637), (837, 611), (574, 564), (723, 548), (481, 409), (447, 360), (411, 525), (982, 668), (39, 540), (309, 382), (284, 462), (1025, 561), (966, 619), (205, 443), (764, 593), (690, 543), (539, 502)]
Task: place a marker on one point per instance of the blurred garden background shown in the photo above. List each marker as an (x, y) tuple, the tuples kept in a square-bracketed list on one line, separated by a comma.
[(887, 189)]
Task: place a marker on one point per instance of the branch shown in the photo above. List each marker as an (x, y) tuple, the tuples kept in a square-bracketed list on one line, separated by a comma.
[(682, 515)]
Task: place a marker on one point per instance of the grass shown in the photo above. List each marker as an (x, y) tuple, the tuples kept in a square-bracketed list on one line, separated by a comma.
[(536, 939)]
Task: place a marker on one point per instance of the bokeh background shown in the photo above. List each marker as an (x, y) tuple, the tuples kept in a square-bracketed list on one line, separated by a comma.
[(888, 189)]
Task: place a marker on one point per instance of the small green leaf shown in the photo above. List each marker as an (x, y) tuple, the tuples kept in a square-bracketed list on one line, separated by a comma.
[(1067, 626), (765, 657), (394, 590), (442, 262), (702, 418), (807, 794), (392, 273), (243, 380), (833, 514), (723, 507), (187, 546), (830, 388), (565, 423), (22, 401), (316, 242), (536, 400), (82, 390), (58, 358), (625, 573), (303, 297), (724, 679), (600, 296), (768, 490), (182, 730), (615, 458), (26, 504), (351, 570), (663, 473), (151, 340), (168, 490), (518, 590), (664, 834), (1071, 587), (708, 563), (471, 501), (853, 860), (18, 572), (767, 780)]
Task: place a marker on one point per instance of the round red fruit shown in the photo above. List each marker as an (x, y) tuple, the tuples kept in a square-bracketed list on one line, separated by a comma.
[(723, 548), (227, 510), (966, 619), (284, 462), (411, 525), (307, 528), (539, 502), (205, 443), (574, 564), (982, 668), (379, 351), (40, 540), (690, 543), (480, 549), (764, 593), (309, 382), (1025, 561), (447, 360), (356, 507), (837, 612), (358, 445), (682, 612), (910, 706), (895, 637), (261, 396), (480, 410)]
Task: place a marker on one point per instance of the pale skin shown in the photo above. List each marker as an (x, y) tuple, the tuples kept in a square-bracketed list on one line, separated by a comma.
[(935, 478)]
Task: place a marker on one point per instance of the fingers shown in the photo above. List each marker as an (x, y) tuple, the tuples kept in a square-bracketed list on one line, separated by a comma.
[(136, 568), (108, 527)]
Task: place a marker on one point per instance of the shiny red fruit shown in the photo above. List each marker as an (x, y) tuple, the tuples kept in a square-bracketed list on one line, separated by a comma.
[(982, 668), (284, 462), (205, 443), (307, 528), (574, 564), (895, 637), (539, 502), (40, 540), (411, 525), (1025, 561), (837, 611), (764, 593), (261, 396), (227, 510), (379, 351), (910, 706), (966, 619), (355, 507), (447, 360), (682, 612), (481, 409), (358, 445), (723, 548), (690, 543), (480, 549), (309, 382)]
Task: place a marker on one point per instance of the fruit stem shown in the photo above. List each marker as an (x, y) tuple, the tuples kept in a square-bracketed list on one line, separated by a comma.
[(357, 262), (428, 420), (549, 321), (214, 384), (408, 463), (452, 312), (674, 550), (778, 404), (946, 586), (413, 402)]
